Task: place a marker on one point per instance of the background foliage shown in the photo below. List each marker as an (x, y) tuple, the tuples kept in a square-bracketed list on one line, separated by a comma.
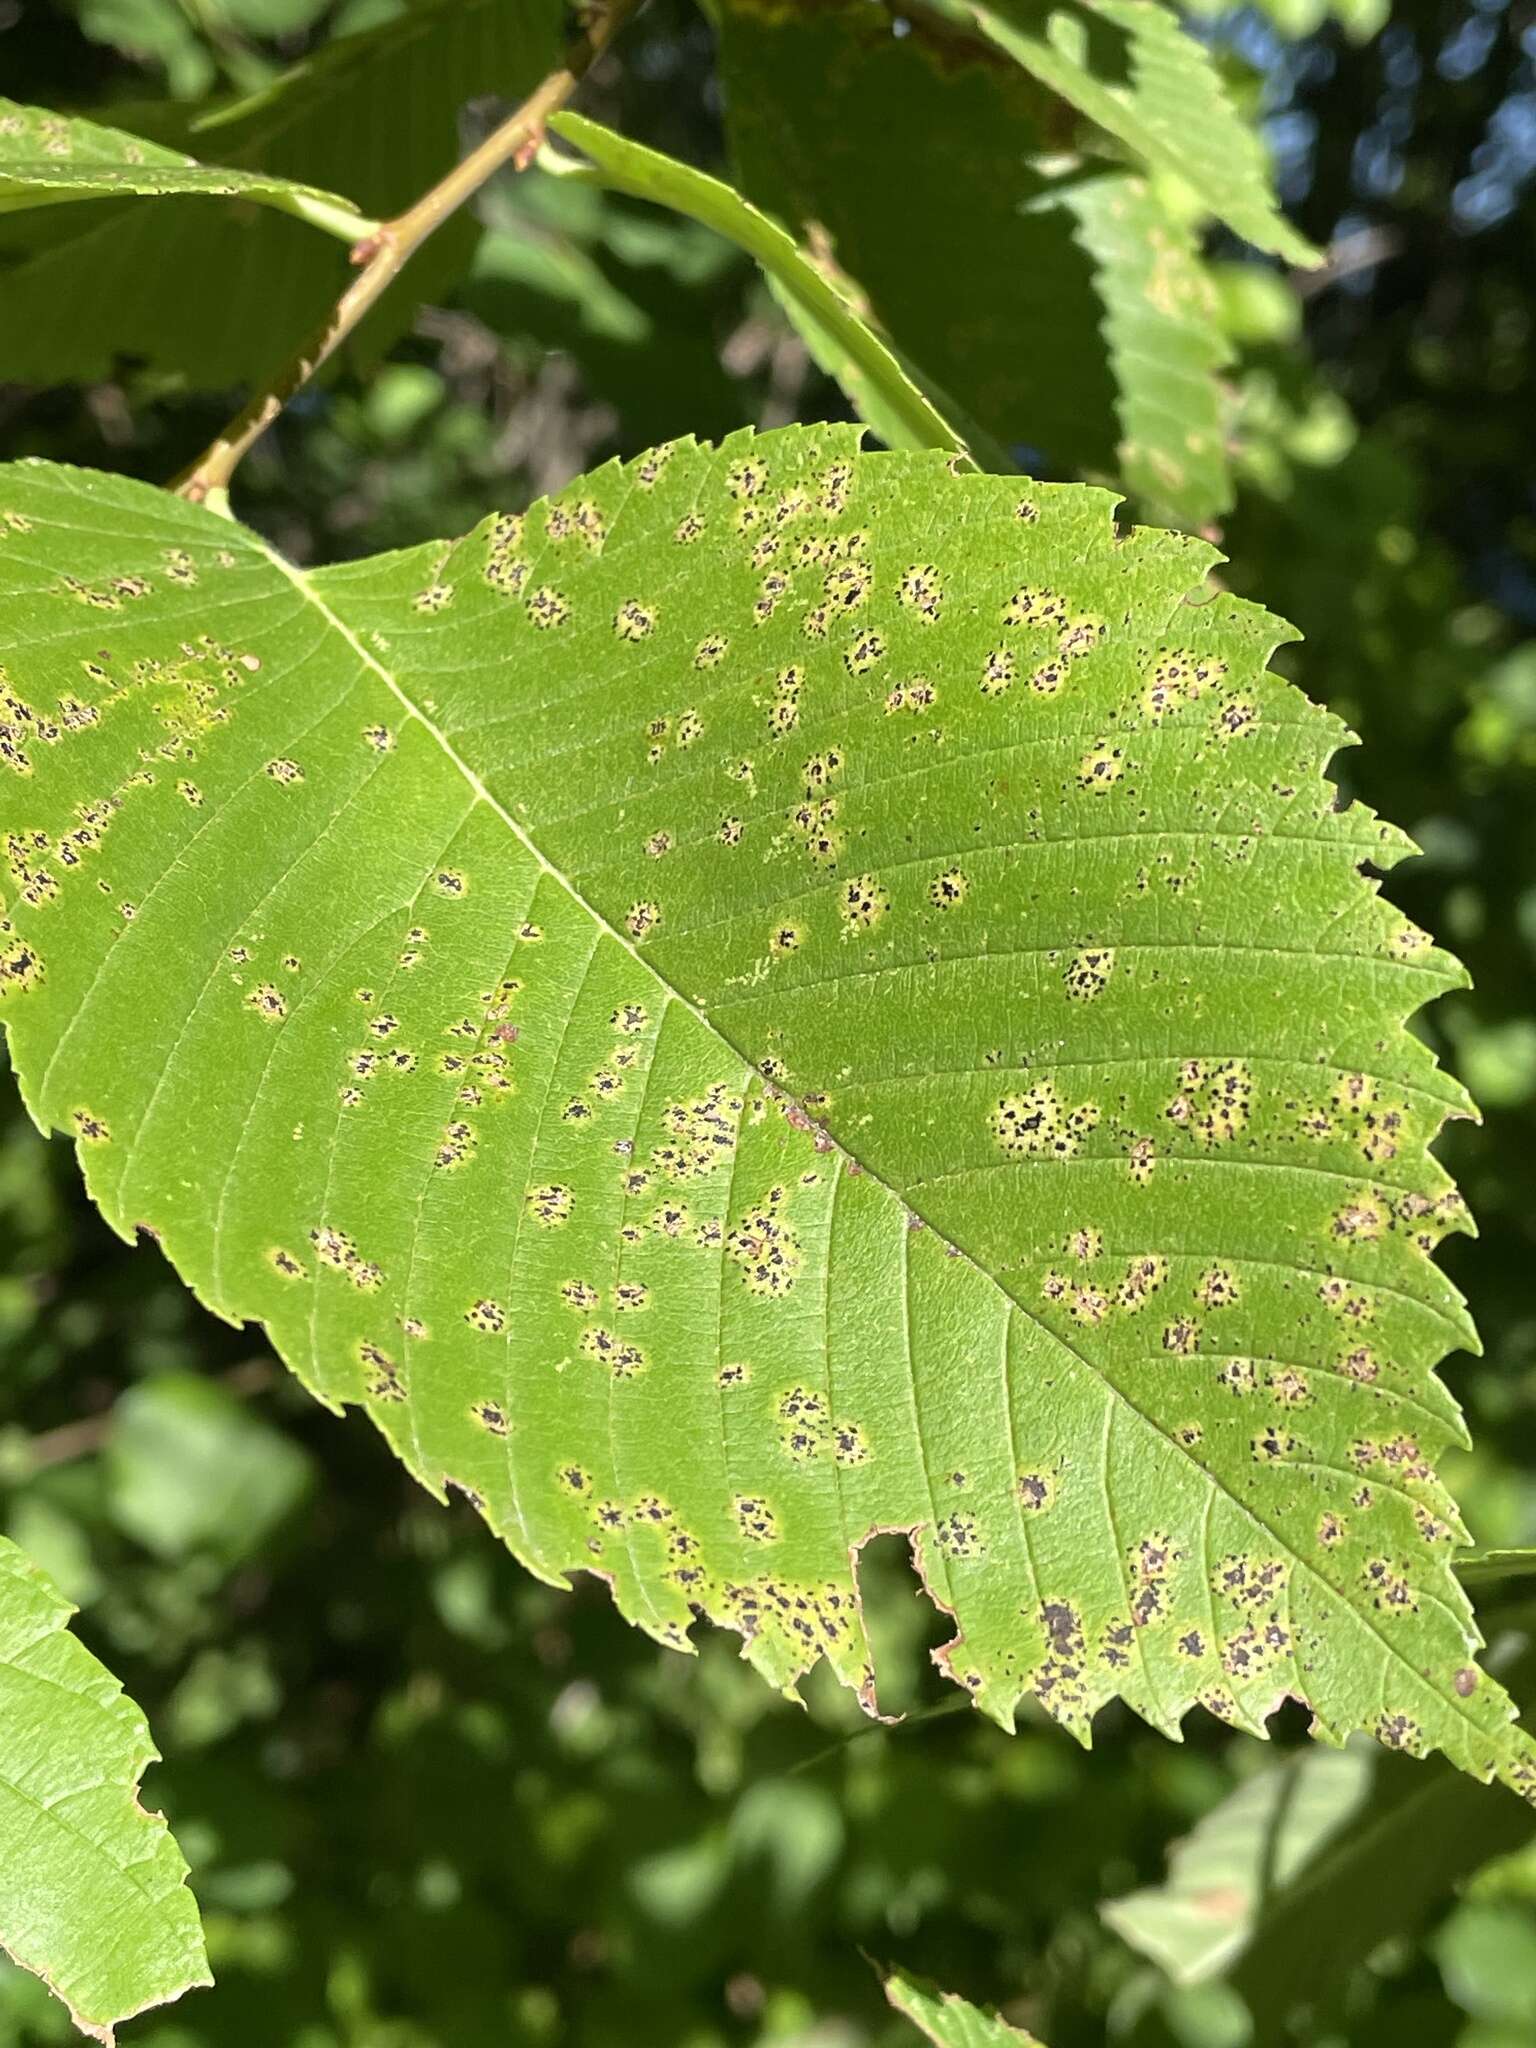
[(427, 1801)]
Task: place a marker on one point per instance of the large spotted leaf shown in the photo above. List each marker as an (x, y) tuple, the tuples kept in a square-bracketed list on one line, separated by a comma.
[(784, 994), (93, 1895)]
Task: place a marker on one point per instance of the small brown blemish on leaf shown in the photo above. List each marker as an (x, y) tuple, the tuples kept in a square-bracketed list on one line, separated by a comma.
[(550, 1206)]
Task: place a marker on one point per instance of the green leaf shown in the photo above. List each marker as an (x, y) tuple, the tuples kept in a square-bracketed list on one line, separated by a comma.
[(948, 2020), (221, 295), (1508, 1574), (1129, 67), (46, 158), (1359, 19), (93, 1895), (1325, 1855), (1069, 306), (189, 1467), (780, 995), (1165, 346), (845, 346)]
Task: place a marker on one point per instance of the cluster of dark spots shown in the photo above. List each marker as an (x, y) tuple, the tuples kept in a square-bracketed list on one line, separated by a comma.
[(334, 1248), (766, 1249), (269, 1002), (1087, 973), (1058, 1681), (456, 1145), (735, 1375), (998, 672), (383, 1381), (1217, 1288), (634, 620), (1273, 1445), (285, 1263), (921, 590), (90, 1128), (547, 607), (747, 479), (1100, 768), (917, 695), (1080, 636), (622, 1359), (1250, 1651), (960, 1536), (1140, 1159), (864, 652), (1214, 1100), (1115, 1640), (863, 901), (846, 586), (1144, 1275), (1337, 1295), (755, 1518), (1331, 1529), (836, 487), (550, 1206), (1361, 1220), (1237, 718), (804, 1416), (486, 1316), (1036, 1124), (814, 825), (700, 1135), (505, 570), (948, 890), (1399, 1731), (1036, 1491), (1031, 605), (1177, 677), (1390, 1586)]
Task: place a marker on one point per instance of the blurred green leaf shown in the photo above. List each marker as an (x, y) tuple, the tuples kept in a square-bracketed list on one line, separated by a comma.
[(1130, 67), (1063, 303), (949, 2020), (93, 1895), (46, 159), (220, 296), (189, 1466), (1323, 1855), (846, 347)]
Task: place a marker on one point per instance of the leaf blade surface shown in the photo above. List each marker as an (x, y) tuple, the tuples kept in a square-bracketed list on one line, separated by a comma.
[(93, 1895), (780, 995)]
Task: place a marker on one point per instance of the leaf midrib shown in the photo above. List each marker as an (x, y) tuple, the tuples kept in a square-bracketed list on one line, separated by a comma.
[(306, 590)]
